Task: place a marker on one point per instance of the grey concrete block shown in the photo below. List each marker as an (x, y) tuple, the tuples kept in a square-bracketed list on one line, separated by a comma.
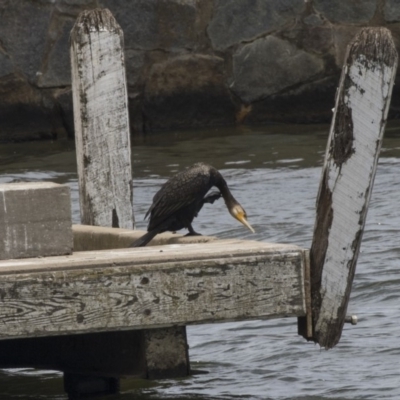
[(35, 220)]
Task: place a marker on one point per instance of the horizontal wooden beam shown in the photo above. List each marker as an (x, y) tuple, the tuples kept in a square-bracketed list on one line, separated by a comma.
[(150, 287)]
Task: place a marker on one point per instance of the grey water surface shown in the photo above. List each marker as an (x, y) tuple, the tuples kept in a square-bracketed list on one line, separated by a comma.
[(274, 172)]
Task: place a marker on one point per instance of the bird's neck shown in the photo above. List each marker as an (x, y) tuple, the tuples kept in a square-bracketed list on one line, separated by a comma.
[(226, 194)]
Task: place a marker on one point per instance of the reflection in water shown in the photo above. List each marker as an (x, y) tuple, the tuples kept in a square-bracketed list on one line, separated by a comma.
[(274, 173)]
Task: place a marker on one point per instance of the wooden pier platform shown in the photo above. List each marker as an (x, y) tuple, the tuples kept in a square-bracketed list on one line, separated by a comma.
[(100, 315), (151, 287)]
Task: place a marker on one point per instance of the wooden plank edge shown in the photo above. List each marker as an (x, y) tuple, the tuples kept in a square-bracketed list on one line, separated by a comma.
[(75, 292)]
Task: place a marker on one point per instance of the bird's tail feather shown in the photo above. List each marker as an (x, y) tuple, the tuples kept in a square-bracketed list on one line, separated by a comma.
[(143, 240)]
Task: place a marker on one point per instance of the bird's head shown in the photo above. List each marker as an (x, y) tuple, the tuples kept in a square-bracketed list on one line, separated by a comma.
[(238, 212)]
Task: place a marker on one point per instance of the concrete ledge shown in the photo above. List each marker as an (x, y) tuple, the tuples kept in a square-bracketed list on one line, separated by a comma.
[(87, 238), (35, 220)]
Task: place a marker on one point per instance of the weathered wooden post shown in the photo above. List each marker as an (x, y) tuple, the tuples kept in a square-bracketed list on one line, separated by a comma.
[(104, 160), (102, 141), (101, 120), (362, 104)]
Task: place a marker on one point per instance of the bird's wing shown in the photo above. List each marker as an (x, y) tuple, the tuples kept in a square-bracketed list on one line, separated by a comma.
[(179, 192)]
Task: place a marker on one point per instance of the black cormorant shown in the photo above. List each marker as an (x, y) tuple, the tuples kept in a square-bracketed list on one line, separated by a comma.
[(181, 198)]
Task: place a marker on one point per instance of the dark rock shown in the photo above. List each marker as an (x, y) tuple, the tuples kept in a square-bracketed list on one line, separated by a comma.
[(273, 60), (63, 99), (137, 119), (346, 12), (6, 66), (395, 103), (318, 39), (342, 36), (56, 69), (24, 112), (311, 103), (155, 24), (391, 11), (269, 66), (188, 91), (74, 7), (313, 20), (238, 21), (135, 68), (23, 32)]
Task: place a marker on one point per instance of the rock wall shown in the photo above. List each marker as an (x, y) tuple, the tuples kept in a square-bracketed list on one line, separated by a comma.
[(190, 63)]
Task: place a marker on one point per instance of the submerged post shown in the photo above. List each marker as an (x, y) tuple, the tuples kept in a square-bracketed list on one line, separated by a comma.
[(362, 104), (101, 120)]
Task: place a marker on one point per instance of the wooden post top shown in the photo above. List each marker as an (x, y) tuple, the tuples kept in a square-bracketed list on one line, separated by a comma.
[(96, 20)]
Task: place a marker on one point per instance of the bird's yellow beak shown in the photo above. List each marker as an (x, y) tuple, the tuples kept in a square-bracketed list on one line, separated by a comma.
[(241, 217)]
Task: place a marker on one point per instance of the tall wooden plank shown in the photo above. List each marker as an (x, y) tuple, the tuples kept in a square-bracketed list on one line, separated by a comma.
[(356, 134), (101, 132), (101, 120)]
